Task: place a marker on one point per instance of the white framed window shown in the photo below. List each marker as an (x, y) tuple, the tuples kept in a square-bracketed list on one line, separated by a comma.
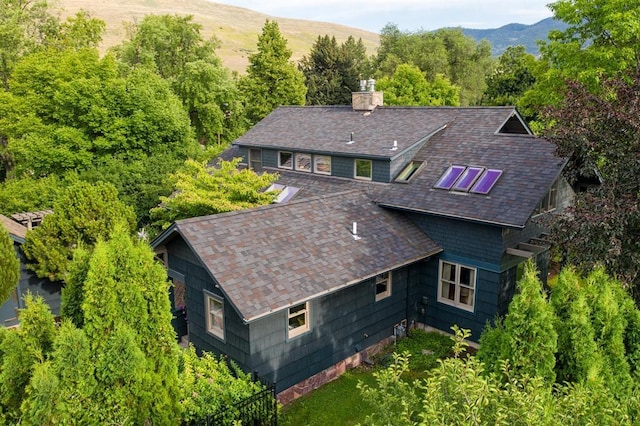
[(214, 312), (298, 320), (303, 162), (457, 285), (383, 285), (285, 160), (363, 169), (255, 159), (322, 164)]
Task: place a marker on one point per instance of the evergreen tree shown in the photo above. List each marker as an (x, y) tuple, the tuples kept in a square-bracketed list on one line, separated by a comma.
[(530, 341), (272, 79), (333, 72), (83, 214), (9, 265)]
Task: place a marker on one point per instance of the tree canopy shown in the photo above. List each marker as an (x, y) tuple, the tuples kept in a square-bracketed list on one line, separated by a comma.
[(201, 190), (83, 214), (600, 133), (409, 87), (272, 79), (332, 72), (9, 265)]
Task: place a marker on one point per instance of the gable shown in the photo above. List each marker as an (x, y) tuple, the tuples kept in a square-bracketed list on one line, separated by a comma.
[(269, 258)]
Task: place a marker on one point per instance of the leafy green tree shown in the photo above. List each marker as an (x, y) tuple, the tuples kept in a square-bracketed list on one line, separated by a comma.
[(23, 26), (445, 52), (272, 79), (409, 87), (83, 214), (202, 190), (600, 135), (173, 46), (511, 78), (332, 72), (9, 265)]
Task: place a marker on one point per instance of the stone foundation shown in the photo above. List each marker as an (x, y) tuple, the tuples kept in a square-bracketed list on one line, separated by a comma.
[(331, 373)]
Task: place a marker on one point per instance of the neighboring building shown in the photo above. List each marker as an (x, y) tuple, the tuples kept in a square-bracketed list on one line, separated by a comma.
[(388, 217), (29, 282)]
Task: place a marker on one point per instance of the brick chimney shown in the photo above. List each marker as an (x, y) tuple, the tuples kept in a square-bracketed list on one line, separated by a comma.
[(367, 99)]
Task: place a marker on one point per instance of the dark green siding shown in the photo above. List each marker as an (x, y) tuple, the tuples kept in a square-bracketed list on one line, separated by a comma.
[(341, 324), (236, 342)]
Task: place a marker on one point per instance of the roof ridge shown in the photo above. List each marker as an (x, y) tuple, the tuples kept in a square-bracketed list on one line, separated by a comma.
[(268, 206)]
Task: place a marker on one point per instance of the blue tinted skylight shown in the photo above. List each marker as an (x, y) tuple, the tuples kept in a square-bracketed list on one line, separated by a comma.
[(468, 178), (486, 181), (449, 177), (461, 178)]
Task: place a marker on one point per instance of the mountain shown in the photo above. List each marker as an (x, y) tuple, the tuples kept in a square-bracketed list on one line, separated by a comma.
[(516, 34), (237, 28)]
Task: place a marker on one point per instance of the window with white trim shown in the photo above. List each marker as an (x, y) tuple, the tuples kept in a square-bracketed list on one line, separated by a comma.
[(322, 164), (303, 162), (457, 285), (214, 311), (298, 321), (383, 285), (285, 160), (363, 169)]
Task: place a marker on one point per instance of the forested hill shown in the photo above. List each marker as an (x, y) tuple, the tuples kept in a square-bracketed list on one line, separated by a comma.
[(516, 34)]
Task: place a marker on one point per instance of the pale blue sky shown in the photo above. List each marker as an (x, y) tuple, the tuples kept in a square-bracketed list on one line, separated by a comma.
[(409, 15)]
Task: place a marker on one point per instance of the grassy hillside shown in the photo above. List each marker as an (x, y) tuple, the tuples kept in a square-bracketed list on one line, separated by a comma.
[(236, 28)]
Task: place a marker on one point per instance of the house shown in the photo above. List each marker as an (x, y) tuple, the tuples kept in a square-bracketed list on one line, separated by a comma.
[(387, 218), (29, 281)]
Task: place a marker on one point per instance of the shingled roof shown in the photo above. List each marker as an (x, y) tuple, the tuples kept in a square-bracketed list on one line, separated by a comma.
[(17, 231), (529, 168), (269, 258), (329, 128)]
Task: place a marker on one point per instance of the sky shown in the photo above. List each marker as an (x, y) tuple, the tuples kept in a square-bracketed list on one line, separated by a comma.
[(408, 15)]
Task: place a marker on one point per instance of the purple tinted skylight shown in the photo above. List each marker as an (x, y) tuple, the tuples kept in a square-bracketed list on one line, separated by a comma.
[(449, 177), (486, 181), (468, 177)]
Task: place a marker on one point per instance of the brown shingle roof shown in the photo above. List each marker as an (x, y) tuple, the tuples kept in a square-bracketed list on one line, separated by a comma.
[(16, 230), (529, 168), (328, 128), (269, 258)]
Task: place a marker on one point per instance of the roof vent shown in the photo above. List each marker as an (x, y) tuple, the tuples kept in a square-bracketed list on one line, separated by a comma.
[(395, 146), (354, 231)]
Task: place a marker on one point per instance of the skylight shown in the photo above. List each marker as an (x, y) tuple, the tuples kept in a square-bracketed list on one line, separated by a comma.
[(469, 179), (286, 192), (486, 181), (450, 177)]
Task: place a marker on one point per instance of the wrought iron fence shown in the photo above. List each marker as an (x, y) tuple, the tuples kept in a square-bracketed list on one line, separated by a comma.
[(260, 409)]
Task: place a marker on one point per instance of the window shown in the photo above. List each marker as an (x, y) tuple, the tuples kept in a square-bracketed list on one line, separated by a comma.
[(383, 286), (255, 160), (457, 285), (408, 172), (449, 177), (469, 179), (298, 319), (285, 160), (303, 162), (363, 169), (322, 164), (549, 202), (214, 310)]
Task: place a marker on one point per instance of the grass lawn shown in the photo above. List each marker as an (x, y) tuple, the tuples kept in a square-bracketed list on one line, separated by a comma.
[(340, 403)]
